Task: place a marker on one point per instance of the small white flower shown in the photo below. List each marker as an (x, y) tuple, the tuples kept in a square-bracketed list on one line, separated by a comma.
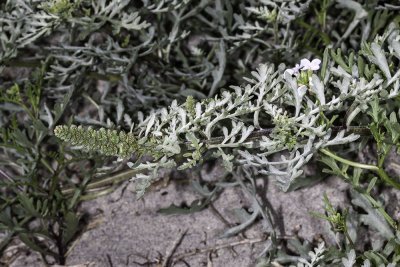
[(295, 70), (307, 65)]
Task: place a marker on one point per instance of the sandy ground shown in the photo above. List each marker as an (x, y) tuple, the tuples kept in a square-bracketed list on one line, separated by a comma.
[(122, 231)]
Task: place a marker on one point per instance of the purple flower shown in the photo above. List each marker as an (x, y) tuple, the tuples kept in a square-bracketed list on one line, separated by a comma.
[(295, 70)]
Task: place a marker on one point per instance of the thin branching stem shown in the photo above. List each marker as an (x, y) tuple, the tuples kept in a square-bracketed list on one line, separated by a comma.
[(377, 169)]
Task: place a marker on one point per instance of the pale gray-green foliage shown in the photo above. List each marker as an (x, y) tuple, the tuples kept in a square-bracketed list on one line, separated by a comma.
[(225, 123), (270, 94), (23, 25), (373, 218), (350, 259), (315, 257), (88, 38), (285, 11), (262, 15)]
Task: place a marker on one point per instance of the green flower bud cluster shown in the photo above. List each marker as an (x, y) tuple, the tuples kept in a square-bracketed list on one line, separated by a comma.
[(62, 8), (190, 104), (107, 141)]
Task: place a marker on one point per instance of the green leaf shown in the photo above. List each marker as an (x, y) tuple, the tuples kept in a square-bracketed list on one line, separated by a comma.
[(28, 205), (373, 218), (334, 168), (5, 218), (38, 124), (379, 59), (375, 110), (371, 184), (192, 138), (195, 206), (301, 249), (356, 176), (361, 66), (308, 181), (21, 138), (338, 58), (376, 258), (35, 245), (318, 89), (324, 63), (60, 108), (71, 227), (237, 229), (217, 74)]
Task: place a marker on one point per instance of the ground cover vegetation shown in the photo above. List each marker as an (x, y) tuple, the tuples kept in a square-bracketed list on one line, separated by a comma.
[(97, 92)]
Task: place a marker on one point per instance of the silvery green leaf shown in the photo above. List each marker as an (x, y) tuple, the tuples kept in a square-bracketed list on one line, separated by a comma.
[(120, 110), (373, 218), (170, 145), (339, 139), (198, 110), (340, 72), (192, 138), (218, 72), (237, 229), (379, 59), (297, 92), (273, 171), (128, 120), (101, 113), (350, 259), (183, 116), (164, 114), (343, 85), (396, 48), (245, 133), (203, 190), (226, 134), (393, 79), (315, 255), (226, 160), (150, 123), (49, 116), (131, 22), (261, 74), (354, 71), (366, 263), (395, 91), (318, 88), (360, 13), (211, 124)]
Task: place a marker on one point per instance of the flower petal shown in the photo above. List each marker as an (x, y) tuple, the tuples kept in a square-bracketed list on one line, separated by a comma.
[(305, 64), (315, 64), (290, 71), (294, 71)]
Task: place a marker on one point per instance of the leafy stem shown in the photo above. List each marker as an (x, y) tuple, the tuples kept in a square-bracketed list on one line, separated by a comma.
[(127, 174), (346, 233), (387, 179), (348, 162), (377, 169), (337, 219), (106, 180)]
